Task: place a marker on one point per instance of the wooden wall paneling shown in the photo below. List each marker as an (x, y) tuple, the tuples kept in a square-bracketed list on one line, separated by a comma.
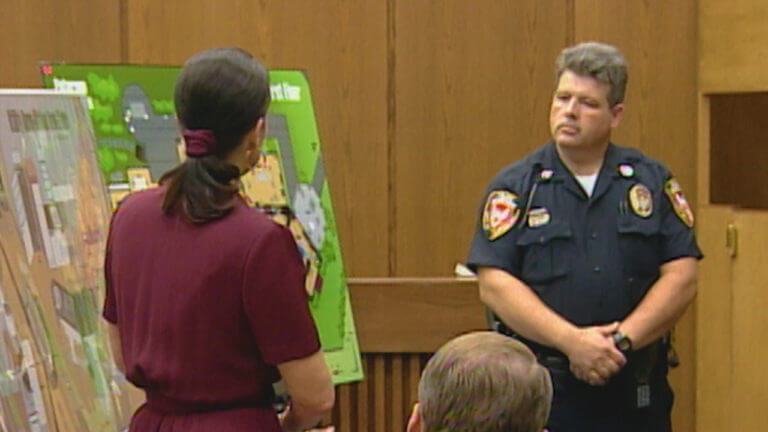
[(473, 83), (384, 401), (53, 30), (738, 149), (342, 413), (749, 344), (363, 419), (413, 315), (412, 382), (703, 153), (658, 39), (380, 393), (196, 25), (682, 379), (733, 45), (398, 418), (343, 48), (714, 323)]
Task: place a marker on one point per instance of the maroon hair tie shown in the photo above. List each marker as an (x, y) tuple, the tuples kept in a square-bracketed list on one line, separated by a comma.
[(199, 142)]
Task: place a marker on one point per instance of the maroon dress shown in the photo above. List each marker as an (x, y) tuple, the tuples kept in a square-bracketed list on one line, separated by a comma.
[(205, 313)]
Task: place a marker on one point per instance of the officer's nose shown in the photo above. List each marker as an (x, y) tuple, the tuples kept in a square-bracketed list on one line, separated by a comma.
[(571, 108)]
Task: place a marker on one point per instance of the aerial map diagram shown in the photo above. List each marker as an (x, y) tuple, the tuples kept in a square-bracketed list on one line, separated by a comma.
[(58, 369), (131, 108)]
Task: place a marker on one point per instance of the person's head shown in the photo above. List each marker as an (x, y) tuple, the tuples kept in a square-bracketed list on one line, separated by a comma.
[(482, 382), (221, 98), (589, 99)]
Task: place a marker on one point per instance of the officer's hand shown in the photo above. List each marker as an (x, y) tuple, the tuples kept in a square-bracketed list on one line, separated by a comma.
[(593, 356)]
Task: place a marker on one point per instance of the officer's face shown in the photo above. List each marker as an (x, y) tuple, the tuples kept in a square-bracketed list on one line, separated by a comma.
[(580, 115)]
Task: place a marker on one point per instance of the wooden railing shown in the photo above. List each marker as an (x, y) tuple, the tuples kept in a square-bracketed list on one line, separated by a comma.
[(400, 323)]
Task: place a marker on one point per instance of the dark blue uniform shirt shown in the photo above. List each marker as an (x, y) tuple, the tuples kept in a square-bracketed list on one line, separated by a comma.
[(590, 259)]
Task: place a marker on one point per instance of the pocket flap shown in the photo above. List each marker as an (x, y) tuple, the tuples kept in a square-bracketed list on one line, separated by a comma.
[(543, 235), (630, 224)]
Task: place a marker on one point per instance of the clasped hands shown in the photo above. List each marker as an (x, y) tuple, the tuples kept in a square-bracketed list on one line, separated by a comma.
[(592, 354)]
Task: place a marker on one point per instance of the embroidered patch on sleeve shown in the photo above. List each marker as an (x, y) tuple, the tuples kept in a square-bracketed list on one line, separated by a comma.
[(501, 213), (679, 203)]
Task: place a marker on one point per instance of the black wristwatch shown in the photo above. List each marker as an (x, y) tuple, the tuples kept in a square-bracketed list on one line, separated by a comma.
[(622, 342)]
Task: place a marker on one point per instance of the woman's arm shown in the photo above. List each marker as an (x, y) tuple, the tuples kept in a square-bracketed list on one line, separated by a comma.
[(308, 381), (117, 348)]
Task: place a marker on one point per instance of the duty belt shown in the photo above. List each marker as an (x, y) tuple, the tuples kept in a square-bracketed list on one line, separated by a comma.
[(644, 361)]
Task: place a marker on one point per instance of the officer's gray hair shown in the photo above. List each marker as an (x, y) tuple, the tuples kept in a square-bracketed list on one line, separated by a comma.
[(600, 61), (484, 382)]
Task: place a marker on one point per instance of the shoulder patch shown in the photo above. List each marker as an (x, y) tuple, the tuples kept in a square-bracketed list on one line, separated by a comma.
[(680, 205), (500, 214)]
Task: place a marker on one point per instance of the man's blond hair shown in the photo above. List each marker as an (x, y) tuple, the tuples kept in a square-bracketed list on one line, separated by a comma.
[(484, 382)]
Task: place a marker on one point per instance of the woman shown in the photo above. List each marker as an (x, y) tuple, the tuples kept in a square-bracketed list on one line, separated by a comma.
[(206, 295)]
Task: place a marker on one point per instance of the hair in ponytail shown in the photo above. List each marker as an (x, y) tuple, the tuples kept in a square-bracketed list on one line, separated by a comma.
[(220, 95)]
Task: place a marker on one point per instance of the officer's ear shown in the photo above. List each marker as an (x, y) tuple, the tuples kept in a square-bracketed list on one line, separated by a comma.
[(617, 113)]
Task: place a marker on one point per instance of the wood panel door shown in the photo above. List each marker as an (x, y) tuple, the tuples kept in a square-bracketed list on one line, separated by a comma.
[(749, 345), (714, 326), (732, 382)]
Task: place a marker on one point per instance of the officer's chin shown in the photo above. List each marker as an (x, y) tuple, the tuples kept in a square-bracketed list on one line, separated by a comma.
[(567, 140)]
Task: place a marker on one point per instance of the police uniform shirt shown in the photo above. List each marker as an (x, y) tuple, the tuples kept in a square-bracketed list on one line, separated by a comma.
[(590, 259)]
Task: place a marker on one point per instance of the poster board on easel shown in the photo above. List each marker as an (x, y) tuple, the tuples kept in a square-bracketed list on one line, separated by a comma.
[(59, 370), (134, 120)]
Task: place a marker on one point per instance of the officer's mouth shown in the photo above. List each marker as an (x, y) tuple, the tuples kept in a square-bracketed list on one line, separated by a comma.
[(568, 129)]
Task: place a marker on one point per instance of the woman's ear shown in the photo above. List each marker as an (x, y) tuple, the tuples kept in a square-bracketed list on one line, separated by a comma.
[(414, 423), (254, 139), (261, 128)]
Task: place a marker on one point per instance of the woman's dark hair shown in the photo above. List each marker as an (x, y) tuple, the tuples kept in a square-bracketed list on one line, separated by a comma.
[(224, 91)]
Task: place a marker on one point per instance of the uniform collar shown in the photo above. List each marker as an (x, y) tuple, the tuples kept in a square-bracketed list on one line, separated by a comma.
[(625, 157), (549, 160), (611, 162)]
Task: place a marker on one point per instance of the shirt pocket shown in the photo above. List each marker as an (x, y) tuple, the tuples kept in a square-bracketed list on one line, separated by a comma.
[(544, 252), (640, 246)]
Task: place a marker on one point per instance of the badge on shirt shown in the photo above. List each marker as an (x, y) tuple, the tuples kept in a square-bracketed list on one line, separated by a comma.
[(641, 200), (626, 170), (501, 213), (679, 203), (546, 174), (538, 217)]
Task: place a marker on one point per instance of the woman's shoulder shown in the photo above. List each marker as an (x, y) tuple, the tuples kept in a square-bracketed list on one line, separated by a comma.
[(140, 199), (246, 220)]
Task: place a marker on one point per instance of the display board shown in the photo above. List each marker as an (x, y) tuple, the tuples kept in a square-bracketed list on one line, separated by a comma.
[(138, 140), (58, 370)]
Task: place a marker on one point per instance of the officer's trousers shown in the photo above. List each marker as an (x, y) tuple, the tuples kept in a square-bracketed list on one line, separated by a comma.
[(580, 407)]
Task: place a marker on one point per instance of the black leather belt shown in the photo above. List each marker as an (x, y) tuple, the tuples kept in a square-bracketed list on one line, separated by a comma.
[(546, 355)]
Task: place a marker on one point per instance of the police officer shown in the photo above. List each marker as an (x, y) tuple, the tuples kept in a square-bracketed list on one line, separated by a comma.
[(585, 251)]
